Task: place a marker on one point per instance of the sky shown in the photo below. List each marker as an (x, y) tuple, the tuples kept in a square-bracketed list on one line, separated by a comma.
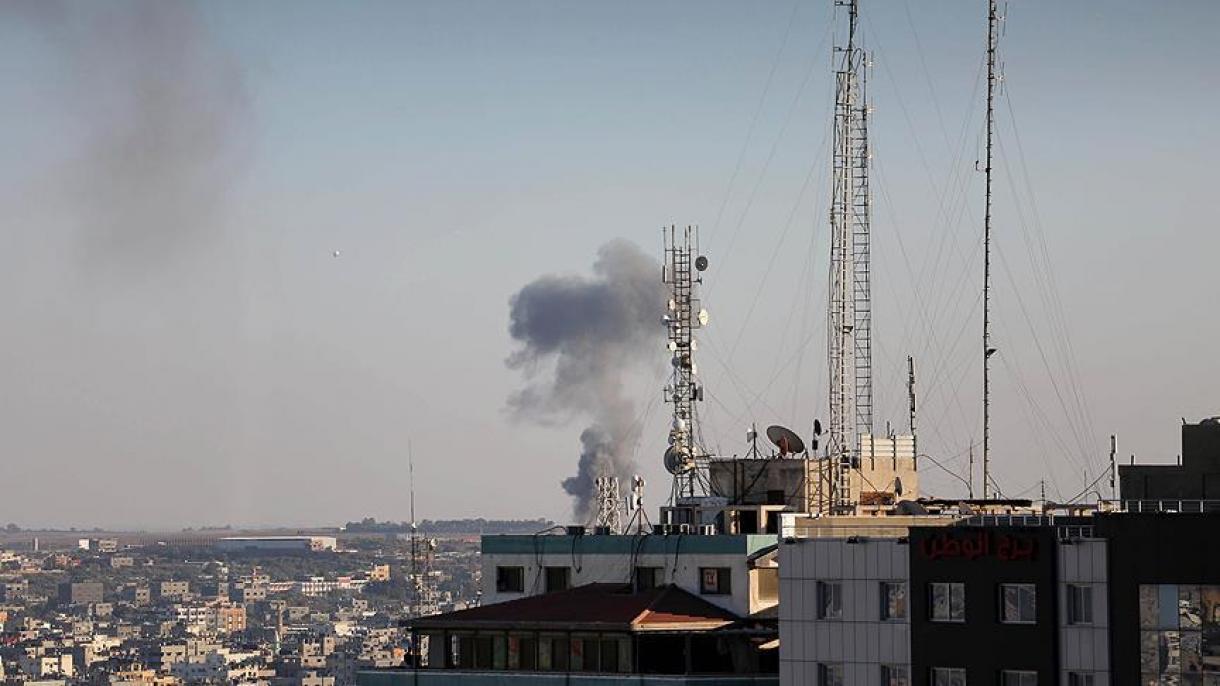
[(258, 255)]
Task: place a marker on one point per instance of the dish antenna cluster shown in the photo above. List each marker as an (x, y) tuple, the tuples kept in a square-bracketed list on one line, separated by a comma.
[(682, 274), (790, 443)]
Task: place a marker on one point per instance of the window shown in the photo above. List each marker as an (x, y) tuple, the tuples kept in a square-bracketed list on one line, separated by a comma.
[(1179, 633), (1011, 677), (1080, 679), (893, 600), (948, 676), (830, 675), (510, 579), (830, 600), (947, 602), (648, 577), (558, 579), (714, 581), (1018, 604), (1080, 604), (895, 675)]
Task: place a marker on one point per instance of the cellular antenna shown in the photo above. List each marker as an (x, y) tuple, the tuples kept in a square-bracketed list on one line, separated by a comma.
[(993, 22), (850, 326), (683, 315)]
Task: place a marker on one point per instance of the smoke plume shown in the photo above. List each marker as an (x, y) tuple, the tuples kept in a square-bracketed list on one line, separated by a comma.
[(579, 338), (157, 117)]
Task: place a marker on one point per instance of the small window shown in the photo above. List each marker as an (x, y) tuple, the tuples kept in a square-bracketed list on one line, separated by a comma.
[(1080, 679), (510, 579), (893, 600), (948, 676), (830, 675), (1080, 604), (715, 581), (647, 578), (830, 600), (1012, 677), (895, 675), (947, 602), (558, 579), (1018, 604)]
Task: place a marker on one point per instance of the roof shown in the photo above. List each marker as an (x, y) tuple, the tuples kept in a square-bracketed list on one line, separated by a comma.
[(591, 607), (626, 544)]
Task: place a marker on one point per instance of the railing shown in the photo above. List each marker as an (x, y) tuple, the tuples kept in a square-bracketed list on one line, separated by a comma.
[(1137, 505)]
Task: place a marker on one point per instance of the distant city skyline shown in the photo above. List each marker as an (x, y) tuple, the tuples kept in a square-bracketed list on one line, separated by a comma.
[(254, 251)]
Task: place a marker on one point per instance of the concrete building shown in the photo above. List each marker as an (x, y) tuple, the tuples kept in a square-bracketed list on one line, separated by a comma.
[(737, 573), (80, 593)]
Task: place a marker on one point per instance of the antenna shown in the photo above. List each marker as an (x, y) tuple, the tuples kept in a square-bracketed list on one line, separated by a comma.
[(683, 390), (1113, 469), (850, 327), (786, 440), (911, 401), (992, 24), (609, 513)]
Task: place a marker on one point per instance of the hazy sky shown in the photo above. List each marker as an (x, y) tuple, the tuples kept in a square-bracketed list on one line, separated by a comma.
[(182, 347)]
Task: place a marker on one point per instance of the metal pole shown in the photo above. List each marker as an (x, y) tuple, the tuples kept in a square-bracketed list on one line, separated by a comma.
[(992, 21)]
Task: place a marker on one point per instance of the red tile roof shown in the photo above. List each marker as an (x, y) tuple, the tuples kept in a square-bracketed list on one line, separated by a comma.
[(592, 607)]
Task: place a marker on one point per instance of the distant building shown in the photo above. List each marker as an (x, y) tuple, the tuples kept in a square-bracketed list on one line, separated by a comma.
[(172, 590), (80, 593), (379, 573), (122, 561), (271, 544), (14, 591)]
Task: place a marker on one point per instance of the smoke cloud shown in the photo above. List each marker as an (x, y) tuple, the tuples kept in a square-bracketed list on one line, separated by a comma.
[(580, 336), (158, 121)]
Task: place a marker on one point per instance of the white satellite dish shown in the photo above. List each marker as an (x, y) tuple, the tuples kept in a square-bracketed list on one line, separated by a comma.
[(703, 317)]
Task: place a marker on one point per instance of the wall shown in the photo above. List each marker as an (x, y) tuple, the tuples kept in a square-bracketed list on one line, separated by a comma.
[(859, 640), (1085, 648)]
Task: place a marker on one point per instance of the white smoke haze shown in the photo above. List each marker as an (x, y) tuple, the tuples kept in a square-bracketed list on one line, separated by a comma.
[(580, 337), (160, 125)]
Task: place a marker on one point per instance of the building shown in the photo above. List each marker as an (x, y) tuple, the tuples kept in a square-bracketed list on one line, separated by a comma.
[(596, 633), (734, 572), (1196, 479), (171, 590), (80, 593), (379, 573), (282, 544), (15, 590)]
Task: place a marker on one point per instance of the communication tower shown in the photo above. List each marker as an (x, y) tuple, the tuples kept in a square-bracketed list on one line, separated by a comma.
[(850, 327), (683, 391), (609, 513)]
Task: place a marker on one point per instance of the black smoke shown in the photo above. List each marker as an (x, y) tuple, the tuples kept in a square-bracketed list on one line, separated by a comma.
[(580, 337)]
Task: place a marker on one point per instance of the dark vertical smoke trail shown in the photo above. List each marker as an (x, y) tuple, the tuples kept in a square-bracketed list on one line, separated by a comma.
[(594, 331)]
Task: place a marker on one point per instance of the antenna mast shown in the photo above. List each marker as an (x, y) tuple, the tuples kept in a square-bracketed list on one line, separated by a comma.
[(414, 608), (683, 315), (850, 327), (911, 402), (992, 24)]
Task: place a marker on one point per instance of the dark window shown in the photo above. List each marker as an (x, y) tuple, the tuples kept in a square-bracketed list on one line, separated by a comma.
[(947, 602), (830, 600), (510, 579), (895, 675), (1018, 603), (715, 581), (483, 652), (1080, 679), (527, 653), (584, 654), (558, 579), (893, 600), (1012, 677), (830, 675), (1080, 604), (609, 656), (463, 652), (648, 578), (948, 676), (559, 654)]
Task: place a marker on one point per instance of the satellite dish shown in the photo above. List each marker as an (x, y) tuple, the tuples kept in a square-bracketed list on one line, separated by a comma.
[(703, 317), (678, 460), (785, 439), (701, 263), (817, 427), (673, 345)]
